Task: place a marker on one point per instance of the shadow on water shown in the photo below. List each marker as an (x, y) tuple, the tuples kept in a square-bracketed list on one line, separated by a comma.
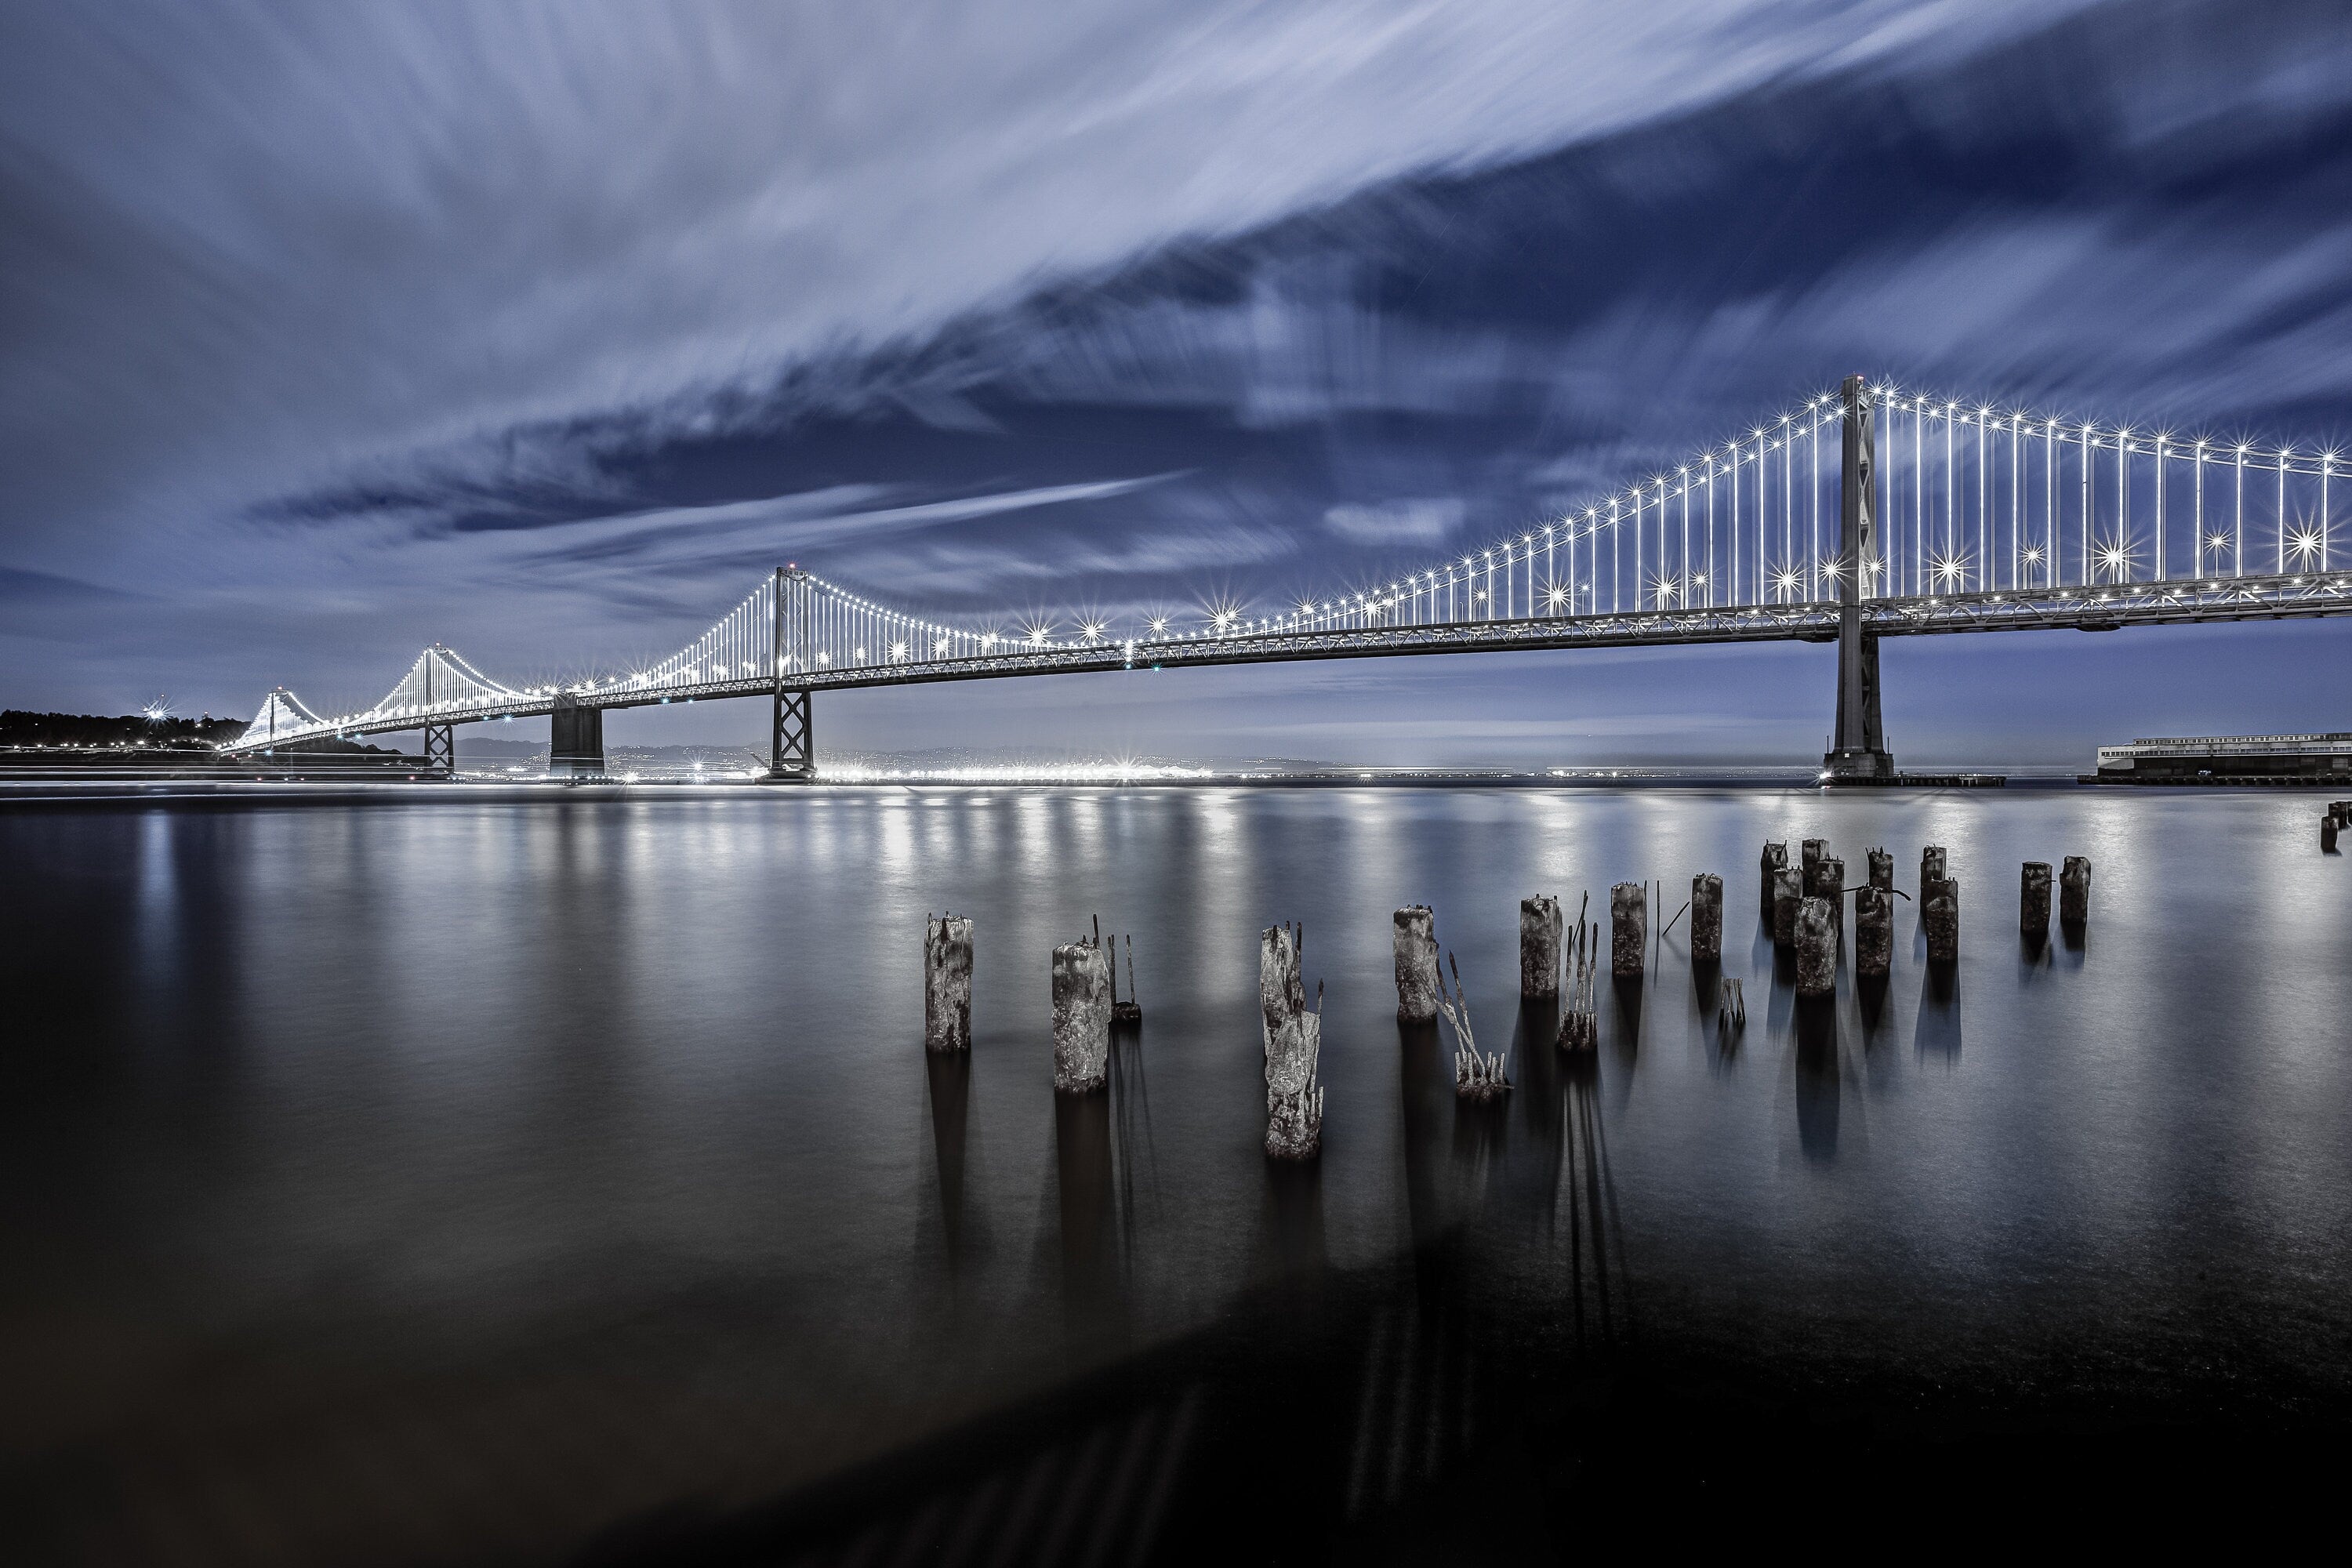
[(1424, 1089), (1601, 1305), (1819, 1079), (949, 1073), (1939, 1031), (2074, 940), (1870, 1000), (1086, 1187), (1134, 1155)]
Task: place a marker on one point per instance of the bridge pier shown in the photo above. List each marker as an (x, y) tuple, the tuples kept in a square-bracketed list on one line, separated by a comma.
[(792, 739), (441, 748), (575, 739), (1857, 752)]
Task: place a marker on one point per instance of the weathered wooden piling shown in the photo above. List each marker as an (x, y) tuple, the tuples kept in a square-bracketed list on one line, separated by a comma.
[(2034, 900), (1081, 1017), (1882, 869), (1940, 913), (1629, 930), (1811, 852), (1776, 859), (1706, 918), (2074, 890), (1475, 1077), (1828, 883), (947, 982), (1931, 866), (1817, 947), (2327, 832), (1874, 929), (1579, 1022), (1788, 893), (1417, 980), (1539, 934), (1294, 1046)]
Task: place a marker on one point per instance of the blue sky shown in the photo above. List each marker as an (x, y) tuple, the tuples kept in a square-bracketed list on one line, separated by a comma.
[(541, 332)]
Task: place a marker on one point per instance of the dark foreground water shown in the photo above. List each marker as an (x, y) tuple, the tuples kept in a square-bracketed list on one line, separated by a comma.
[(493, 1179)]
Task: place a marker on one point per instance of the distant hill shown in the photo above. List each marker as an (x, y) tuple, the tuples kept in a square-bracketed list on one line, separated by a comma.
[(19, 728)]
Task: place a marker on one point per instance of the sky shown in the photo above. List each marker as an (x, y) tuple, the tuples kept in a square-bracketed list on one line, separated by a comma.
[(544, 330)]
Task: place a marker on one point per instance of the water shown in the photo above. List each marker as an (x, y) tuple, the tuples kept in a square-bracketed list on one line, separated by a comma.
[(475, 1177)]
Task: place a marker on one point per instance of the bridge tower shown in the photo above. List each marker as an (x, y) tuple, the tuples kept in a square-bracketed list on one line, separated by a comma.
[(575, 739), (792, 728), (1857, 752)]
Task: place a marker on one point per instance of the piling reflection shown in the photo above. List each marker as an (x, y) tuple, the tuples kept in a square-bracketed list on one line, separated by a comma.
[(950, 1075), (1820, 1078), (1938, 1031), (1424, 1093), (1086, 1186)]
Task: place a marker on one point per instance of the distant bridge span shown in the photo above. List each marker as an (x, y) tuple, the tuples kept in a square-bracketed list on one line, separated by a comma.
[(1978, 521)]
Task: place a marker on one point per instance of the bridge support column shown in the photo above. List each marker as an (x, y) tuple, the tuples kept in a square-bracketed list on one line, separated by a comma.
[(1857, 752), (575, 739), (441, 748), (792, 739)]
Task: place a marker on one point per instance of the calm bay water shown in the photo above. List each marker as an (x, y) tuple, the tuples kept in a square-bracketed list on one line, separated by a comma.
[(466, 1177)]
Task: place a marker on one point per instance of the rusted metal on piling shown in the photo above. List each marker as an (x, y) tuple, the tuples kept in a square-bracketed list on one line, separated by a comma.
[(1081, 1017), (947, 982), (1293, 1046), (1539, 934), (1706, 918), (1629, 930)]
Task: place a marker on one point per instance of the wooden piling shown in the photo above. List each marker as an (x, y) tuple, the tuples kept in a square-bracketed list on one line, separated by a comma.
[(1293, 1046), (1817, 947), (1940, 912), (1828, 883), (1539, 934), (947, 984), (1881, 869), (1931, 866), (2074, 890), (1417, 980), (1776, 859), (1788, 893), (2327, 834), (2034, 900), (1081, 1018), (1629, 930), (1874, 929), (1706, 918)]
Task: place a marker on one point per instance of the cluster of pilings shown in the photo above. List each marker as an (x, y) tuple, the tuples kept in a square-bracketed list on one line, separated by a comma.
[(2338, 817)]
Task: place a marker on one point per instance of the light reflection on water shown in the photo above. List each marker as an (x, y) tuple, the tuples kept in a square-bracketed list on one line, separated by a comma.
[(337, 1098)]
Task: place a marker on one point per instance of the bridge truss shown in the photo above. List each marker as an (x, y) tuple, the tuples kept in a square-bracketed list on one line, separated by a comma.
[(1917, 515)]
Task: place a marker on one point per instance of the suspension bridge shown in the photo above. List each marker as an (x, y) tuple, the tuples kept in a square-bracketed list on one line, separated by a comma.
[(1867, 513)]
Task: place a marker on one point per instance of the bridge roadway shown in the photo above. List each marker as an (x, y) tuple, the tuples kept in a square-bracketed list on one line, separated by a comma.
[(2105, 608)]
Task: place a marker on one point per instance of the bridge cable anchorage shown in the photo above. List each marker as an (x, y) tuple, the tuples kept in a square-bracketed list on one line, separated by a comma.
[(1951, 515)]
